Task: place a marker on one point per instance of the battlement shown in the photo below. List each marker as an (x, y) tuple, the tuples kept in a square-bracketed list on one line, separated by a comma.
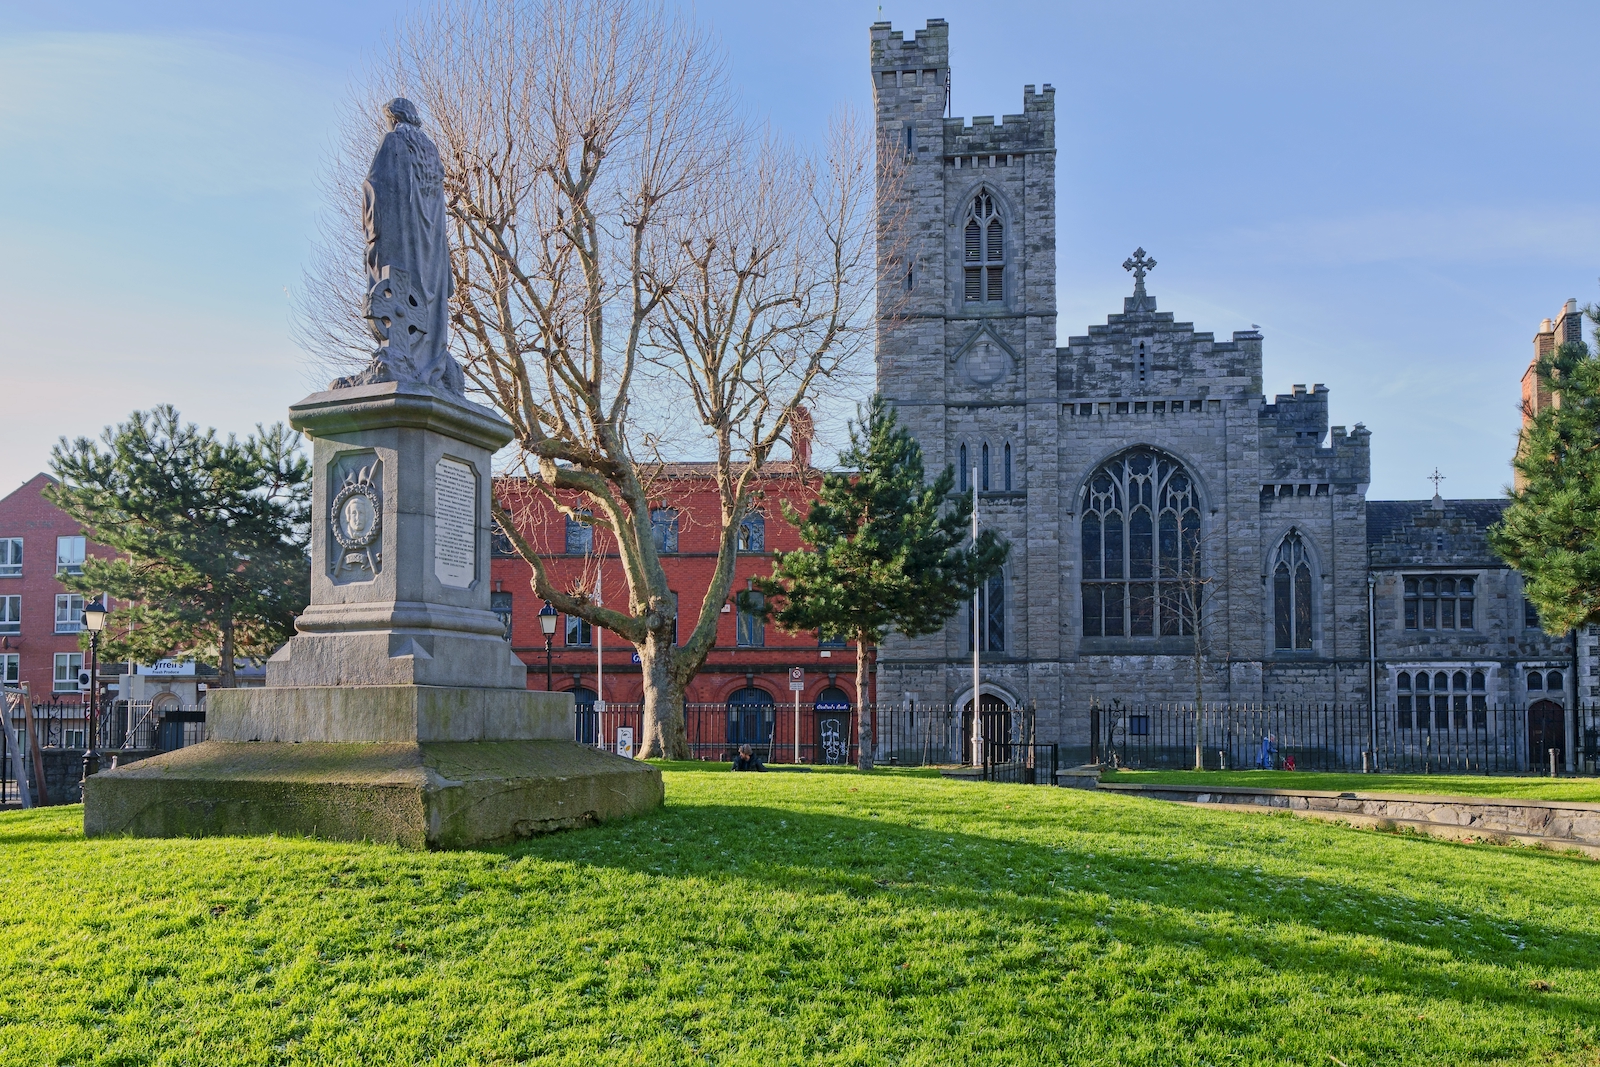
[(928, 48)]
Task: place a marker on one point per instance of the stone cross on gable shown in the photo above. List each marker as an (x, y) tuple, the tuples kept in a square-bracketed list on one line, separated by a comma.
[(1436, 478), (1141, 265)]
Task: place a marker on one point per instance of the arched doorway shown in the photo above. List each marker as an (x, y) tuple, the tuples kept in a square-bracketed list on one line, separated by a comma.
[(832, 715), (750, 718), (1547, 729), (996, 729), (586, 724)]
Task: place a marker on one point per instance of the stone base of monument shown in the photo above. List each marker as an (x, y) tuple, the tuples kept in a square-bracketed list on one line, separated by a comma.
[(415, 766)]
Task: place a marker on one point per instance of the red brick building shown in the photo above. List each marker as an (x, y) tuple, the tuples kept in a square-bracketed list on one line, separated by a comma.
[(39, 618), (746, 673)]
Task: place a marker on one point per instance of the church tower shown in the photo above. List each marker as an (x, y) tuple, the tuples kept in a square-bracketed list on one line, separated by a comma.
[(966, 345)]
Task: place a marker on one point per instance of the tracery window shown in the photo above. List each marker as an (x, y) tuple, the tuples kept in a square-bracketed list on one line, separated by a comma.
[(984, 255), (1291, 595), (1141, 546), (1434, 603)]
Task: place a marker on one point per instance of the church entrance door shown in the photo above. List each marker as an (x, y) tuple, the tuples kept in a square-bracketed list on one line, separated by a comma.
[(996, 730), (1547, 729)]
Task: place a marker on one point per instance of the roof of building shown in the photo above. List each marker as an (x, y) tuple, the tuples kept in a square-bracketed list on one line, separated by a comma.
[(1386, 519)]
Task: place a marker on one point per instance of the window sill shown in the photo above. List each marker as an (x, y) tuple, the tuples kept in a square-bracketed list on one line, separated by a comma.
[(1136, 646)]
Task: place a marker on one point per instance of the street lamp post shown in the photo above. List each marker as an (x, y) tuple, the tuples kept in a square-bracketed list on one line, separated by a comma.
[(94, 620), (547, 623)]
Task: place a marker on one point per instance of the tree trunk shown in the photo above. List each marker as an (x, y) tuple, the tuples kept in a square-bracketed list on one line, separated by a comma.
[(662, 721), (225, 668), (867, 720)]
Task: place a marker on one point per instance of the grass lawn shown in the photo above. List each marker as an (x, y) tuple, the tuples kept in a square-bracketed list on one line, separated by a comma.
[(1584, 789), (805, 918)]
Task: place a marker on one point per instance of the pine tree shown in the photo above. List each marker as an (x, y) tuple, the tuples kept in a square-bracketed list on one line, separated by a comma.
[(210, 536), (884, 551), (1551, 531)]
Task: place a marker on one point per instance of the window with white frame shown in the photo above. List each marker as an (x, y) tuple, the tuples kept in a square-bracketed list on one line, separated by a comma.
[(69, 555), (68, 664), (10, 668), (752, 533), (10, 614), (580, 632), (984, 252), (750, 627), (10, 557), (664, 528), (69, 613), (580, 534)]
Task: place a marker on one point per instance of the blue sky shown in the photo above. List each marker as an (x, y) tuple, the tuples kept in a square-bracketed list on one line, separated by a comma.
[(1396, 193)]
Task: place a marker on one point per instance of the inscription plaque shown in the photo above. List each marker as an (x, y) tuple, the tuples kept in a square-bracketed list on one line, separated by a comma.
[(455, 523)]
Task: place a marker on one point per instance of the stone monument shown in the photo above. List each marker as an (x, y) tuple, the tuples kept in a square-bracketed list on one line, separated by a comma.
[(398, 712)]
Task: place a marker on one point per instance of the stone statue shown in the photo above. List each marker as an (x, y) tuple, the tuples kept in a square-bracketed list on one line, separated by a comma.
[(407, 305)]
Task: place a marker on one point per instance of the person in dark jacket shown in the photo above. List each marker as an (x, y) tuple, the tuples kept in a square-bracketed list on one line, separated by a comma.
[(746, 760)]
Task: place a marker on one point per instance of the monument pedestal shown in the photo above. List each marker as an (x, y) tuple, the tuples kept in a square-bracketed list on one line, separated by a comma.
[(398, 712)]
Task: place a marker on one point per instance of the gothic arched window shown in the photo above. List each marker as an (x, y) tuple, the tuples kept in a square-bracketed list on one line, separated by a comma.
[(1141, 548), (983, 469), (984, 251), (961, 469), (1008, 467), (1291, 595)]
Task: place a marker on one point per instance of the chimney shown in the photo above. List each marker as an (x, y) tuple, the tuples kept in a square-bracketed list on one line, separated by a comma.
[(802, 430)]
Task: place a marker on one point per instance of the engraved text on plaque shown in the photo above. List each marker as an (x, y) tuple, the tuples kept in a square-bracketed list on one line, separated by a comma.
[(455, 527)]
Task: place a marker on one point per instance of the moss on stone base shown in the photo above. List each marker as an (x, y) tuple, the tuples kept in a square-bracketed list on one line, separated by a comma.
[(433, 795)]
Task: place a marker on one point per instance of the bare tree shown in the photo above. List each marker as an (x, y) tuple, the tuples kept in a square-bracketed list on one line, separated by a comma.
[(637, 270)]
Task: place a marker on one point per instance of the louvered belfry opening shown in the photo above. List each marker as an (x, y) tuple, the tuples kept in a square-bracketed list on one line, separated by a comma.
[(985, 252)]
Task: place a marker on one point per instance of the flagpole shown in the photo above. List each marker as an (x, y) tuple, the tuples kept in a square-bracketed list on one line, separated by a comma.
[(977, 634), (599, 668)]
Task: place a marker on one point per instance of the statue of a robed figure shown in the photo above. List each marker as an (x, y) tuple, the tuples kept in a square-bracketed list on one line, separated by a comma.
[(398, 712), (409, 284)]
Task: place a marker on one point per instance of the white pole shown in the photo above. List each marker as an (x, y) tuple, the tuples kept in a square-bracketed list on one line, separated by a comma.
[(797, 727), (977, 639), (599, 670)]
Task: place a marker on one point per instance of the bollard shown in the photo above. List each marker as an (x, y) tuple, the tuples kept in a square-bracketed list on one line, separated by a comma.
[(1366, 762), (1222, 759), (1552, 763)]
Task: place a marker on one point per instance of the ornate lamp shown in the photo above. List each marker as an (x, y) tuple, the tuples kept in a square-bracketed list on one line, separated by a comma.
[(547, 623)]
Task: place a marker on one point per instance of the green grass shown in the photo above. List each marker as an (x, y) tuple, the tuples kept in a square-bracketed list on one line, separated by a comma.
[(805, 918), (1581, 789)]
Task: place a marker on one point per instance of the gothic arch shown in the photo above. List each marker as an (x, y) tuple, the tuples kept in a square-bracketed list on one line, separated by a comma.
[(1140, 536), (1292, 591), (985, 248)]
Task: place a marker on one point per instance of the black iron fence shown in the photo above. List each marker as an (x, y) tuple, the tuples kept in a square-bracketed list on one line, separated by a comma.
[(1339, 737), (908, 734), (125, 729)]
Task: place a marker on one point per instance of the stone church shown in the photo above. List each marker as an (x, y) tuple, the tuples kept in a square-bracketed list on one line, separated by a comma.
[(1154, 493)]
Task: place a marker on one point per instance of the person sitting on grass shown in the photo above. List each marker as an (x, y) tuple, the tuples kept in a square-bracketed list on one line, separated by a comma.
[(746, 760)]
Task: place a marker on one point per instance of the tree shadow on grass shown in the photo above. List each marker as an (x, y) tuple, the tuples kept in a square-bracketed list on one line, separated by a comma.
[(1400, 943)]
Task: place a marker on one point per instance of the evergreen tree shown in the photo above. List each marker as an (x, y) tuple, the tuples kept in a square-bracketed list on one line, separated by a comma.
[(210, 536), (884, 551), (1551, 531)]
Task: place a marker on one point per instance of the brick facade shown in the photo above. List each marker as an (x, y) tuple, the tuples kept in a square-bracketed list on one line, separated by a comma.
[(27, 515), (690, 490)]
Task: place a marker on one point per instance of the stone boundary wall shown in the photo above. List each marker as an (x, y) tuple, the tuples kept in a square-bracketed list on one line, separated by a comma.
[(1557, 824)]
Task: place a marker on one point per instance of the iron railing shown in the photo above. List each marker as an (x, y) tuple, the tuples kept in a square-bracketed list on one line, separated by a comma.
[(908, 734), (1341, 737)]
